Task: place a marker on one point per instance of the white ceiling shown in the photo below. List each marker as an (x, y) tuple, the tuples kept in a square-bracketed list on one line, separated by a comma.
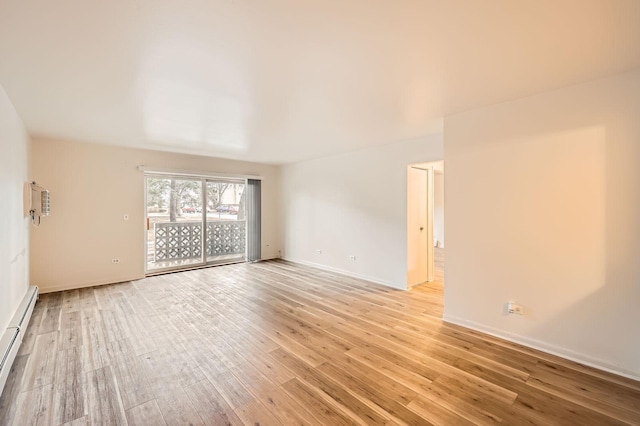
[(284, 80)]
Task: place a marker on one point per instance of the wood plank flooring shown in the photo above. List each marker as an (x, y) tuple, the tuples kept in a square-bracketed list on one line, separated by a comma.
[(278, 343)]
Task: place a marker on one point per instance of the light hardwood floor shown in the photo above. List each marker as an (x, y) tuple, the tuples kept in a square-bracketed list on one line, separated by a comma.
[(277, 343)]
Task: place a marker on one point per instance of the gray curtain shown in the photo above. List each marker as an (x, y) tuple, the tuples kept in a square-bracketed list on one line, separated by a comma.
[(253, 220)]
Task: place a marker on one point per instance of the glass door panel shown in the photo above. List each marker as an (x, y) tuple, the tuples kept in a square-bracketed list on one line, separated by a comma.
[(175, 216), (226, 238)]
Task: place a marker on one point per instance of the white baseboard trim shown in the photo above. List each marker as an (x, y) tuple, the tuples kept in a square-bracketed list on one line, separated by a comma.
[(263, 259), (544, 347), (95, 283), (345, 272)]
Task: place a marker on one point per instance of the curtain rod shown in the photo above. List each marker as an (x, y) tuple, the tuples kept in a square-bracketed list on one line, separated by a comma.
[(194, 173)]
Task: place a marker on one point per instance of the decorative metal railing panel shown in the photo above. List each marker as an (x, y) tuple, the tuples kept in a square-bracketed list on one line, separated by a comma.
[(226, 237), (183, 240)]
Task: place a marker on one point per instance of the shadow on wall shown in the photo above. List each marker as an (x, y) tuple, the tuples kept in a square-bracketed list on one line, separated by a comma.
[(610, 285), (568, 236), (561, 236), (543, 208)]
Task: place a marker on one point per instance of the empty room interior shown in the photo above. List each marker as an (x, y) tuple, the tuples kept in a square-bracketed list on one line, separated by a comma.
[(279, 212)]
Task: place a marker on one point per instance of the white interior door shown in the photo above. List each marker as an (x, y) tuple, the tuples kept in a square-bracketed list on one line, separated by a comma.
[(417, 226)]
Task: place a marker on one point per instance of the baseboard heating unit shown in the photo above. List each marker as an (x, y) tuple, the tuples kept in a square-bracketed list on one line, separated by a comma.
[(12, 337)]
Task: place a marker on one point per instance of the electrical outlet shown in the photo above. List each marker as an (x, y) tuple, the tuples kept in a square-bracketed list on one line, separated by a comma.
[(319, 251), (115, 260), (514, 308), (352, 257)]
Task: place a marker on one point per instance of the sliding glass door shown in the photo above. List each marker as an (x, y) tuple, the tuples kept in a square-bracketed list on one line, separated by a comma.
[(226, 225), (193, 222)]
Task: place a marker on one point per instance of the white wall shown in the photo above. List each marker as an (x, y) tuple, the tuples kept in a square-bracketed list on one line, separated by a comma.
[(353, 204), (14, 225), (543, 207), (92, 187), (438, 208)]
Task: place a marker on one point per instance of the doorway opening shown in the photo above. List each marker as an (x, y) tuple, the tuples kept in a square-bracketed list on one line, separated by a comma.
[(193, 222), (425, 223)]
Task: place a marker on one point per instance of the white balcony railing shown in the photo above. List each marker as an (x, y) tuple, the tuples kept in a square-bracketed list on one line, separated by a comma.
[(183, 240)]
